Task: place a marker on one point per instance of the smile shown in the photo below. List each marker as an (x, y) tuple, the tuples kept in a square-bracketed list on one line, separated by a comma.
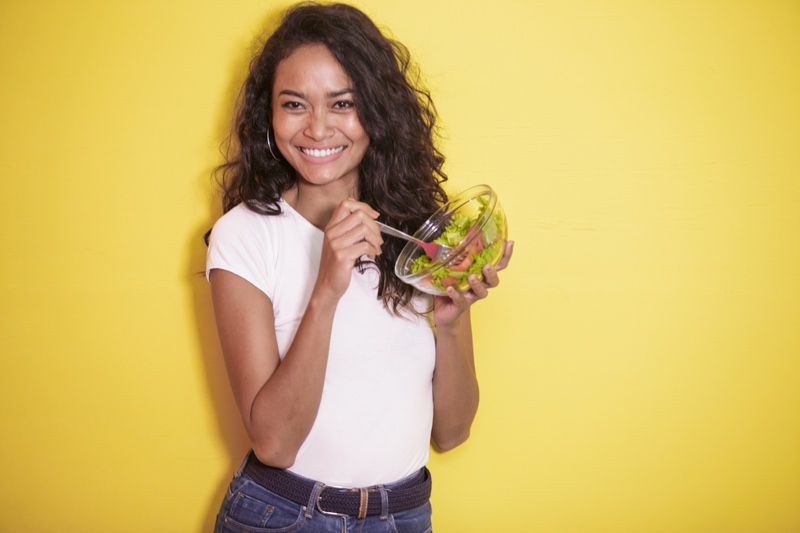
[(313, 152)]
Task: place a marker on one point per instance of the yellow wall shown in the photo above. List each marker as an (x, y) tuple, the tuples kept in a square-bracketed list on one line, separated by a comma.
[(640, 364)]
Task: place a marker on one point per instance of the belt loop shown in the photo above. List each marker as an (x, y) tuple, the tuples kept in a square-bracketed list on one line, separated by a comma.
[(384, 502), (241, 466), (312, 500), (363, 503)]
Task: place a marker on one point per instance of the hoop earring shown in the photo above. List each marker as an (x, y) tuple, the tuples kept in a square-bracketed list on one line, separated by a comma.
[(269, 145)]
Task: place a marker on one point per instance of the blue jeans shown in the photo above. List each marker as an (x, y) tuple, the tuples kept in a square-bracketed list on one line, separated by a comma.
[(250, 508)]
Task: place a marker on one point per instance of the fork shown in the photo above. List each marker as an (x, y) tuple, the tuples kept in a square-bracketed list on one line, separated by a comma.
[(437, 252)]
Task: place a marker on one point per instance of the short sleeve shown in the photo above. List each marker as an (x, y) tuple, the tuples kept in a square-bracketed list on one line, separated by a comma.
[(239, 244)]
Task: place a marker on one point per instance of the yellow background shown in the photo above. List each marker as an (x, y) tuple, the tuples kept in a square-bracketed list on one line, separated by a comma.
[(640, 363)]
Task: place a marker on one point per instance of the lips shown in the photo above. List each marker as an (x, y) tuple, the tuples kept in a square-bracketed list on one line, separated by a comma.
[(325, 152)]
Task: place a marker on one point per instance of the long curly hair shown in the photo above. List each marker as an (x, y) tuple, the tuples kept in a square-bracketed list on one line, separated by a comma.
[(401, 173)]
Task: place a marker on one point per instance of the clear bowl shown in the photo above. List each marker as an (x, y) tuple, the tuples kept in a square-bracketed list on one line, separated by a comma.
[(484, 243)]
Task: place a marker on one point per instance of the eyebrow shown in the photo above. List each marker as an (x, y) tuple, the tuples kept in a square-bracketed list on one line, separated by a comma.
[(333, 94)]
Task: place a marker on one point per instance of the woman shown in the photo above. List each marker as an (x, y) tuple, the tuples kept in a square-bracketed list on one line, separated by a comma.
[(333, 362)]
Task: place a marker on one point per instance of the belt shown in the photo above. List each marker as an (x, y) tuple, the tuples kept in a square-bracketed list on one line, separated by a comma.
[(339, 501)]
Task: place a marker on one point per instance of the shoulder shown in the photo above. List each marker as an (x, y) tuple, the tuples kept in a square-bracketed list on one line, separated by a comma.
[(240, 217), (242, 242), (242, 223)]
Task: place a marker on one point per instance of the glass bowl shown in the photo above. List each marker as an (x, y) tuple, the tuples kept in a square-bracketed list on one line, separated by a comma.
[(475, 225)]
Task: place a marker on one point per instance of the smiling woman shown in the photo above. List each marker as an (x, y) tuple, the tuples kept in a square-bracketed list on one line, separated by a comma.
[(639, 366), (315, 326), (316, 125), (400, 173)]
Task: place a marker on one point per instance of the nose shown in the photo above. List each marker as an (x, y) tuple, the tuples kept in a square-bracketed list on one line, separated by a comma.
[(319, 127)]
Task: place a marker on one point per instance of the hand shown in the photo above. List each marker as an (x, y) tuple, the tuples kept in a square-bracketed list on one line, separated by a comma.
[(350, 234), (448, 309)]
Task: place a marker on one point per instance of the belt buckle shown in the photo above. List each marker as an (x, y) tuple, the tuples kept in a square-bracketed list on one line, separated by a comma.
[(363, 503)]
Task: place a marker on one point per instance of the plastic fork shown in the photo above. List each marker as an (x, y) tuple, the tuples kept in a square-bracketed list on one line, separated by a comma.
[(437, 252)]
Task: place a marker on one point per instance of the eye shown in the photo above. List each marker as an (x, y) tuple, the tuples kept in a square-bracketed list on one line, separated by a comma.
[(292, 105), (344, 105)]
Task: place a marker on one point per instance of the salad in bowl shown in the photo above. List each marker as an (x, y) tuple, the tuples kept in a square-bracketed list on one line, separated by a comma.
[(474, 224)]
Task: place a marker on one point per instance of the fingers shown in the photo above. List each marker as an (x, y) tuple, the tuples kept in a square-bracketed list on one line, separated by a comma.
[(358, 240), (352, 227), (479, 288), (490, 277), (350, 234), (459, 299), (463, 299), (489, 281), (349, 207), (509, 250)]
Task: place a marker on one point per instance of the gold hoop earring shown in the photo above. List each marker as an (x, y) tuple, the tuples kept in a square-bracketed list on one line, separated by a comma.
[(269, 145)]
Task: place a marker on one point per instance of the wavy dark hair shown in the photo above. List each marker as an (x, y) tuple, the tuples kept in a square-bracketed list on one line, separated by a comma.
[(401, 173)]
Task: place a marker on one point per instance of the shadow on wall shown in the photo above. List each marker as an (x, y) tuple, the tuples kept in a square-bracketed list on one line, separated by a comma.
[(231, 430), (229, 425)]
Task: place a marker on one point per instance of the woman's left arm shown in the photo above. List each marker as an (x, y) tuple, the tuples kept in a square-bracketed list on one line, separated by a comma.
[(455, 383)]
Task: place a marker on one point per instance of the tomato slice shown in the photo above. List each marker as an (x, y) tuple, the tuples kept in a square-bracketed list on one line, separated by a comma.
[(474, 248), (448, 281), (477, 246), (463, 265)]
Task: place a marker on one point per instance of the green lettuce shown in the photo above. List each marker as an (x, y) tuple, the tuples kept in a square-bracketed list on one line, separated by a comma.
[(453, 234)]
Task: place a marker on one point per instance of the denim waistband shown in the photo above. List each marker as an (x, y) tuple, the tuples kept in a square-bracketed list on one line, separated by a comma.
[(359, 502)]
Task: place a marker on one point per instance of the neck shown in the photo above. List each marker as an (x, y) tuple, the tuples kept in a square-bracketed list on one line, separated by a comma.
[(316, 203)]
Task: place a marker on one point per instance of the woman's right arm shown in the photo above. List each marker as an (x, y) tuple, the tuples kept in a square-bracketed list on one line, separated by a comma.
[(279, 400)]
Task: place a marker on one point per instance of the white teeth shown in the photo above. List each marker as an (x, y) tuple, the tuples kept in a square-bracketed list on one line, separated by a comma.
[(313, 152)]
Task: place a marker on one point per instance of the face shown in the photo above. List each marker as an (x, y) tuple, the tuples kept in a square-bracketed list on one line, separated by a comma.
[(314, 118)]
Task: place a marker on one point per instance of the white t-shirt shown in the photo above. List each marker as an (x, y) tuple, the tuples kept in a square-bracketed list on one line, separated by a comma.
[(374, 422)]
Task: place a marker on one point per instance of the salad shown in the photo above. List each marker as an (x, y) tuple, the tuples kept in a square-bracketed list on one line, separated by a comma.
[(480, 250)]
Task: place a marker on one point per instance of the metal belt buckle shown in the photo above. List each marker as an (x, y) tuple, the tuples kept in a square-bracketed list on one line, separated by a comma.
[(363, 503)]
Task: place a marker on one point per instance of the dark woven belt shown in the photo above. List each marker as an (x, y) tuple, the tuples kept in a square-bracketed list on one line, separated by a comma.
[(340, 501)]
